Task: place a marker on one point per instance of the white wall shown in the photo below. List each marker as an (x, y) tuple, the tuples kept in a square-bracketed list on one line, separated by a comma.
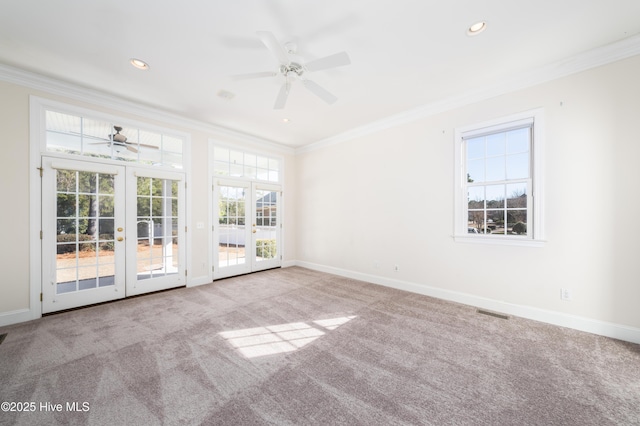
[(386, 199)]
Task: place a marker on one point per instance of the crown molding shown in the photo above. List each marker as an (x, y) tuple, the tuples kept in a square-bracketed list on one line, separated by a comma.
[(603, 55), (53, 86)]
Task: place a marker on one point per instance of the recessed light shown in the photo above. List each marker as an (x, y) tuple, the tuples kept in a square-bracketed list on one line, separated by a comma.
[(477, 28), (140, 64), (286, 120)]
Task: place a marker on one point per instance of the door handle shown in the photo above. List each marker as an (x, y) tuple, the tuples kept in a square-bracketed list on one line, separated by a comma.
[(120, 238), (120, 229), (254, 231)]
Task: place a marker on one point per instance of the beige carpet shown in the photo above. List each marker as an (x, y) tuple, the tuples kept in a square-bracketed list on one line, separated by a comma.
[(299, 347)]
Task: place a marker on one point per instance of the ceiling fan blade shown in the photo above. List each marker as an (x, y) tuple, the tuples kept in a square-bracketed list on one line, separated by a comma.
[(130, 148), (319, 91), (331, 61), (254, 75), (145, 145), (276, 48), (283, 94)]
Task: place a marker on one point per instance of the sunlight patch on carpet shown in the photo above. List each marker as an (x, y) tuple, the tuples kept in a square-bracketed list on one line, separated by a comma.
[(281, 338)]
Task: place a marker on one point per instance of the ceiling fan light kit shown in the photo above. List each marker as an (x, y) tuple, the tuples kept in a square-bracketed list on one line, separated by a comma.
[(292, 70)]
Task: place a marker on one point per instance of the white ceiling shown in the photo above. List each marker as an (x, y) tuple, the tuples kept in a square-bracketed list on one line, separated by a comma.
[(405, 54)]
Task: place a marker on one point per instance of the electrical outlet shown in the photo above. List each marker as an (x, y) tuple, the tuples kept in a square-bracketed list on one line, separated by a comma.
[(566, 294)]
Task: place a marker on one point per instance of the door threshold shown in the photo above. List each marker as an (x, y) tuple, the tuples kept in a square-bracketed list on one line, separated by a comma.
[(111, 301)]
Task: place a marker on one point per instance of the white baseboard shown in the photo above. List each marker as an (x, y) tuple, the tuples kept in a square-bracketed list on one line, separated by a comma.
[(14, 317), (616, 331), (288, 263)]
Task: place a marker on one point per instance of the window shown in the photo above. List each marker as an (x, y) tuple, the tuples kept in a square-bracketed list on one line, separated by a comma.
[(239, 164), (97, 138), (499, 181)]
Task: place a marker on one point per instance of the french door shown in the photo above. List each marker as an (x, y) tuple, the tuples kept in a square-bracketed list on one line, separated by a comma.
[(108, 232), (155, 219), (247, 230)]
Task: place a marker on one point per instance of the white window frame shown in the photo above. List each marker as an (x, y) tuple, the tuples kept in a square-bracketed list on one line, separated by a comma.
[(535, 216)]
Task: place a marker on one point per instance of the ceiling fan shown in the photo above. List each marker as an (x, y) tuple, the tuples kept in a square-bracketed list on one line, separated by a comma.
[(117, 139), (293, 70)]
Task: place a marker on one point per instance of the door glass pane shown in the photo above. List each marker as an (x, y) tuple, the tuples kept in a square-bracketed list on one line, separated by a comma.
[(157, 228), (266, 224), (84, 231), (231, 225)]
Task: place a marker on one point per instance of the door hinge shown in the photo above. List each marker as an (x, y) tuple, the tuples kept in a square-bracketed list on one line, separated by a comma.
[(41, 171), (185, 229), (40, 234), (185, 272), (41, 297)]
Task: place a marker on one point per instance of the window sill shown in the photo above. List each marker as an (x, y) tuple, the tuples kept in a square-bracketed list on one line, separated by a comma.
[(499, 240)]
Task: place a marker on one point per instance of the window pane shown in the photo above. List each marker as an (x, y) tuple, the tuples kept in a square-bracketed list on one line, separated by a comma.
[(475, 148), (495, 169), (62, 123), (476, 197), (220, 168), (171, 144), (274, 164), (517, 222), (496, 144), (150, 156), (495, 196), (518, 166), (106, 206), (221, 154), (475, 170), (235, 170), (495, 222), (250, 172), (172, 160), (263, 174), (475, 224), (64, 142), (518, 140), (263, 162), (236, 157), (517, 195), (97, 131)]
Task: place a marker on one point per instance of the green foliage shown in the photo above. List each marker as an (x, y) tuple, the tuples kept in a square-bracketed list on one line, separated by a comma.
[(520, 228), (86, 243), (266, 248)]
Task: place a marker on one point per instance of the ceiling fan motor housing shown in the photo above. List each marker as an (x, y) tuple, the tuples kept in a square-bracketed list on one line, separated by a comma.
[(292, 68)]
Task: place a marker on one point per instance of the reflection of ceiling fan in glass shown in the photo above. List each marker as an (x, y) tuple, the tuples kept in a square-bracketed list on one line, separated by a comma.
[(118, 140)]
